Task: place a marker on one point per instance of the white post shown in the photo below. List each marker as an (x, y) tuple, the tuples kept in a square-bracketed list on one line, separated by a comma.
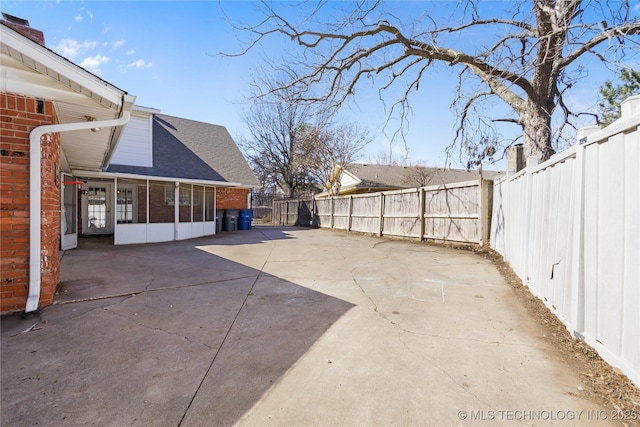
[(114, 210), (532, 162), (577, 252), (176, 211), (381, 215), (421, 213)]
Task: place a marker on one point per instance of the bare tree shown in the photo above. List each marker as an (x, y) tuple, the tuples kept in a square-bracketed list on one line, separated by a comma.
[(275, 148), (419, 175), (528, 56), (331, 148), (293, 145)]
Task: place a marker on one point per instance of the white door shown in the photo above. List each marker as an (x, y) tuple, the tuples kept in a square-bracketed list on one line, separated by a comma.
[(96, 208), (69, 213)]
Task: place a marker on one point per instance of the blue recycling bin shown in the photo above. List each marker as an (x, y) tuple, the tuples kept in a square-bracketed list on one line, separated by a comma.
[(246, 218)]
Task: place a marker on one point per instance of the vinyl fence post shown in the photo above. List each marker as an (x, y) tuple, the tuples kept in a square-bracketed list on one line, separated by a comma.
[(577, 251), (381, 216), (532, 162), (421, 213)]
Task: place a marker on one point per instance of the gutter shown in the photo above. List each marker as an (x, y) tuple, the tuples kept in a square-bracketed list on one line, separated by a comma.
[(35, 180)]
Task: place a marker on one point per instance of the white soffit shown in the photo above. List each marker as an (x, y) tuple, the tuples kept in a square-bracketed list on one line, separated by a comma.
[(42, 61), (32, 70)]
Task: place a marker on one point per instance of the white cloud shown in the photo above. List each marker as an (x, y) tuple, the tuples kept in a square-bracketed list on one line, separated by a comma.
[(140, 63), (90, 15), (131, 51), (70, 48), (119, 43), (78, 18), (93, 63)]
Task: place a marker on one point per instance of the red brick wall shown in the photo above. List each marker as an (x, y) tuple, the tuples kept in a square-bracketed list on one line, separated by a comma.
[(18, 116), (35, 35), (159, 210), (231, 198)]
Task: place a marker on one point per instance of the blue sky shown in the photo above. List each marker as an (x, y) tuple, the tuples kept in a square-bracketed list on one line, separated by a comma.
[(165, 53)]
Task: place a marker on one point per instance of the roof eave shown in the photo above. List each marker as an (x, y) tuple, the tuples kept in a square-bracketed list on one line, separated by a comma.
[(45, 61)]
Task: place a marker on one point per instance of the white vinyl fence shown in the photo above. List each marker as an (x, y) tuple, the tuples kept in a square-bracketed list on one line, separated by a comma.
[(453, 212), (570, 228)]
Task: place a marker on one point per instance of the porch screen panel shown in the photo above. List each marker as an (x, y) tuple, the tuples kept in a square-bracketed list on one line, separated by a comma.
[(131, 201), (210, 204), (125, 204), (185, 202), (161, 202), (142, 201), (198, 198)]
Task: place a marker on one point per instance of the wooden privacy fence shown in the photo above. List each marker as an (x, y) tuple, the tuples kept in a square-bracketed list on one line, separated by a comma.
[(453, 212), (570, 228), (293, 212)]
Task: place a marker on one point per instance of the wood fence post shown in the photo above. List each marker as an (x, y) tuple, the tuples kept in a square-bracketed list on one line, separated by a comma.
[(486, 206), (332, 212), (285, 220), (350, 213)]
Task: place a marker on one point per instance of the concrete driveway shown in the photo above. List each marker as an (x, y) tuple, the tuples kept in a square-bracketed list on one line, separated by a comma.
[(284, 327)]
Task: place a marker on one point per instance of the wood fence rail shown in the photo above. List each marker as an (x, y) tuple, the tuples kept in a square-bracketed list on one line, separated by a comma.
[(458, 212)]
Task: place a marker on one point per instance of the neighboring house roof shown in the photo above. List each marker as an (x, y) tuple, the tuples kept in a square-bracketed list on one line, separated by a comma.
[(358, 177), (190, 149)]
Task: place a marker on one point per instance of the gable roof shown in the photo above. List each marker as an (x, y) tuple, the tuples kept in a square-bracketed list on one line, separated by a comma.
[(190, 149), (31, 69), (395, 177)]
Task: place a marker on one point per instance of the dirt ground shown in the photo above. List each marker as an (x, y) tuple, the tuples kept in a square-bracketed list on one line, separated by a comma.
[(602, 382)]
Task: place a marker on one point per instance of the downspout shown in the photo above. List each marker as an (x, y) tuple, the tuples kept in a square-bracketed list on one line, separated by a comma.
[(35, 216)]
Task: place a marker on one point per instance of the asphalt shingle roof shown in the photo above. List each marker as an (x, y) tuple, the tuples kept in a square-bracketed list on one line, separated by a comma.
[(385, 176), (189, 149)]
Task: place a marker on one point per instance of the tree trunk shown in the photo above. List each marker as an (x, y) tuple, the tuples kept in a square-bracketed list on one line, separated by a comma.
[(536, 127)]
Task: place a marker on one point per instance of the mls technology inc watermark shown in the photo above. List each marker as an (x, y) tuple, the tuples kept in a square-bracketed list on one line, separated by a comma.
[(547, 415)]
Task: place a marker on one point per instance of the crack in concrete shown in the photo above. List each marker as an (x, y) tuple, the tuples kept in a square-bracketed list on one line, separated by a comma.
[(138, 322), (233, 322), (444, 371), (409, 331), (134, 293)]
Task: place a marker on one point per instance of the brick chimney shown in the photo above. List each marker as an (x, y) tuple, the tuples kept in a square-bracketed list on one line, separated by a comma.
[(515, 158), (22, 26)]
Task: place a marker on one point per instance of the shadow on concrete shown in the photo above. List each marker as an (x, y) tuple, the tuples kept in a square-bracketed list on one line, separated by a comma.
[(163, 334)]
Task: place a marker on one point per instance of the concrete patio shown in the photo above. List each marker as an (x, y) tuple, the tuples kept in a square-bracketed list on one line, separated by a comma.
[(283, 327)]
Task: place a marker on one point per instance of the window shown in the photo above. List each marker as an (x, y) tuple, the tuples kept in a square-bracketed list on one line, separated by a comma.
[(125, 206), (184, 195)]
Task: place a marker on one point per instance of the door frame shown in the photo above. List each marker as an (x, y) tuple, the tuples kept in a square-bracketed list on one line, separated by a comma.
[(68, 184)]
